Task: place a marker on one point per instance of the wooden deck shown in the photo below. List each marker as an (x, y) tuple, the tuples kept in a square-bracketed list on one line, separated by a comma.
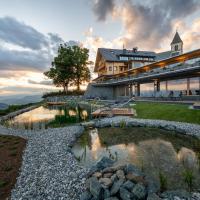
[(113, 112)]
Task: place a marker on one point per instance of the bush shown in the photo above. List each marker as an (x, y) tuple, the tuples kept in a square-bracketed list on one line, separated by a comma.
[(62, 93)]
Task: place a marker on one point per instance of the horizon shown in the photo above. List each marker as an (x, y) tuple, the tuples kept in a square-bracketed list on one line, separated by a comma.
[(29, 39)]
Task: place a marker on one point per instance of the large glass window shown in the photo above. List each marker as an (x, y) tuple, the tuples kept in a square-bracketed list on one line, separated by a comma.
[(147, 89), (177, 85)]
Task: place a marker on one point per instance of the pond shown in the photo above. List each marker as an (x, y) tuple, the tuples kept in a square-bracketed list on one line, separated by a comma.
[(49, 116), (156, 151)]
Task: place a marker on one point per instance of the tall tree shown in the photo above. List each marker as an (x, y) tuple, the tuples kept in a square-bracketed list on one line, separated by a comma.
[(70, 67), (81, 70), (62, 70)]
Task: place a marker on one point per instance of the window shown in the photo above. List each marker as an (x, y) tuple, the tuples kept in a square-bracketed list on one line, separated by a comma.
[(115, 68), (110, 68), (123, 58), (121, 68), (176, 47)]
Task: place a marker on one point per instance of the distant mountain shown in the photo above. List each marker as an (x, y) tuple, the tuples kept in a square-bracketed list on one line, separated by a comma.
[(3, 106), (19, 100)]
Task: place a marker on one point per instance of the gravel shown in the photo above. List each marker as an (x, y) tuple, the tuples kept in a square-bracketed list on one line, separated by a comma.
[(49, 169)]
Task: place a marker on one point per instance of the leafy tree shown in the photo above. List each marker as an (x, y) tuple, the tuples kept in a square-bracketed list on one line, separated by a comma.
[(81, 70), (69, 67)]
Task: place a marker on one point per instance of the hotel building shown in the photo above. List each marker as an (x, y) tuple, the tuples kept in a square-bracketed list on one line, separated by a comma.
[(125, 73)]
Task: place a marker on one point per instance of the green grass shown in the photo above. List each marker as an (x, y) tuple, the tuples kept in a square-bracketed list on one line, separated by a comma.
[(172, 112)]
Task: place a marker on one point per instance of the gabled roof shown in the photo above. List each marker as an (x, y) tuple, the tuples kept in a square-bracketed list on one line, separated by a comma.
[(176, 39), (163, 55), (113, 54)]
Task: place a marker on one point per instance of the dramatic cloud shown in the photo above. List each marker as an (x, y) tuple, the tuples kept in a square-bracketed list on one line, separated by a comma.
[(18, 33), (102, 8), (146, 25), (24, 60), (24, 48)]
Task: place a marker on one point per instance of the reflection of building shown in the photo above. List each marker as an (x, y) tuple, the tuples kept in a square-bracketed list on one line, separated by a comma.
[(125, 73)]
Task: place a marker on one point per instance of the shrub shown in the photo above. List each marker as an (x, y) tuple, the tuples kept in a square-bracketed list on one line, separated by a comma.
[(62, 93), (163, 182), (188, 178)]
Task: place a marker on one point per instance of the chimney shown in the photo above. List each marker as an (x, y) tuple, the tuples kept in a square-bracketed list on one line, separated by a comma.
[(135, 49)]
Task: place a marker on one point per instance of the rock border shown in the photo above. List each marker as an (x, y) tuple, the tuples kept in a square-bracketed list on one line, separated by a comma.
[(179, 127)]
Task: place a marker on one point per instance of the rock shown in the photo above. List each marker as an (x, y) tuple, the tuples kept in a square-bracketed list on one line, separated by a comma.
[(104, 163), (153, 196), (139, 191), (136, 179), (109, 170), (106, 193), (153, 186), (176, 193), (112, 198), (95, 187), (131, 169), (128, 185), (86, 196), (106, 181), (97, 174), (114, 178), (115, 187), (124, 194), (120, 174), (107, 175)]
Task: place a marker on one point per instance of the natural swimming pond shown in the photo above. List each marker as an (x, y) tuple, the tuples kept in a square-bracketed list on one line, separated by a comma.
[(159, 153), (49, 116)]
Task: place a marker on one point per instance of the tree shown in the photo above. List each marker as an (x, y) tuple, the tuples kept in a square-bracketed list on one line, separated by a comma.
[(69, 67), (82, 72)]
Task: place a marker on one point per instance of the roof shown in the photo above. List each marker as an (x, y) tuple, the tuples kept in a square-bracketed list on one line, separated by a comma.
[(176, 39), (113, 54), (163, 55)]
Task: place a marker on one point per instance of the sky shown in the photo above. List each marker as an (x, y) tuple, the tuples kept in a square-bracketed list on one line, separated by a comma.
[(31, 31)]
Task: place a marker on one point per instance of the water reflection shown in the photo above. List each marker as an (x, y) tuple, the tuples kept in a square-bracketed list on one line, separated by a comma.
[(48, 116), (151, 155)]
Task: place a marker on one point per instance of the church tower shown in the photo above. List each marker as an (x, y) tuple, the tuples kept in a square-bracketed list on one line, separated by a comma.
[(176, 45)]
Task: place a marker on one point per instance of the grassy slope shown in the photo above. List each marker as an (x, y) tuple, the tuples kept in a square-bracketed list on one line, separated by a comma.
[(171, 112)]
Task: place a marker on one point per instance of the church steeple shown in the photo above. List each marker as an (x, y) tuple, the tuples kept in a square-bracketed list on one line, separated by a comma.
[(176, 45)]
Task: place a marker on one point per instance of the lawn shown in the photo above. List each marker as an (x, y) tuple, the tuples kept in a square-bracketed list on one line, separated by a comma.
[(11, 149), (172, 112)]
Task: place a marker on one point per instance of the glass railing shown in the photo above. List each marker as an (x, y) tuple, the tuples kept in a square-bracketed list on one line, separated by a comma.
[(157, 71)]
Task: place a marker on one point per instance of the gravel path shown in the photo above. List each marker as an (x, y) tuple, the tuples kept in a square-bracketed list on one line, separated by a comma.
[(49, 169)]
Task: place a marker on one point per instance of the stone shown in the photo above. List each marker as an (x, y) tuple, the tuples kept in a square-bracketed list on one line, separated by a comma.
[(114, 178), (86, 196), (124, 194), (176, 193), (107, 175), (139, 191), (95, 187), (131, 169), (97, 174), (120, 174), (109, 170), (115, 187), (104, 163), (136, 179), (106, 193), (105, 181), (153, 186), (112, 198), (128, 185), (153, 196)]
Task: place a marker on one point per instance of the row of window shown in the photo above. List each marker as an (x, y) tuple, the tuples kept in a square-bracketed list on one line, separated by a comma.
[(115, 68), (126, 58)]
